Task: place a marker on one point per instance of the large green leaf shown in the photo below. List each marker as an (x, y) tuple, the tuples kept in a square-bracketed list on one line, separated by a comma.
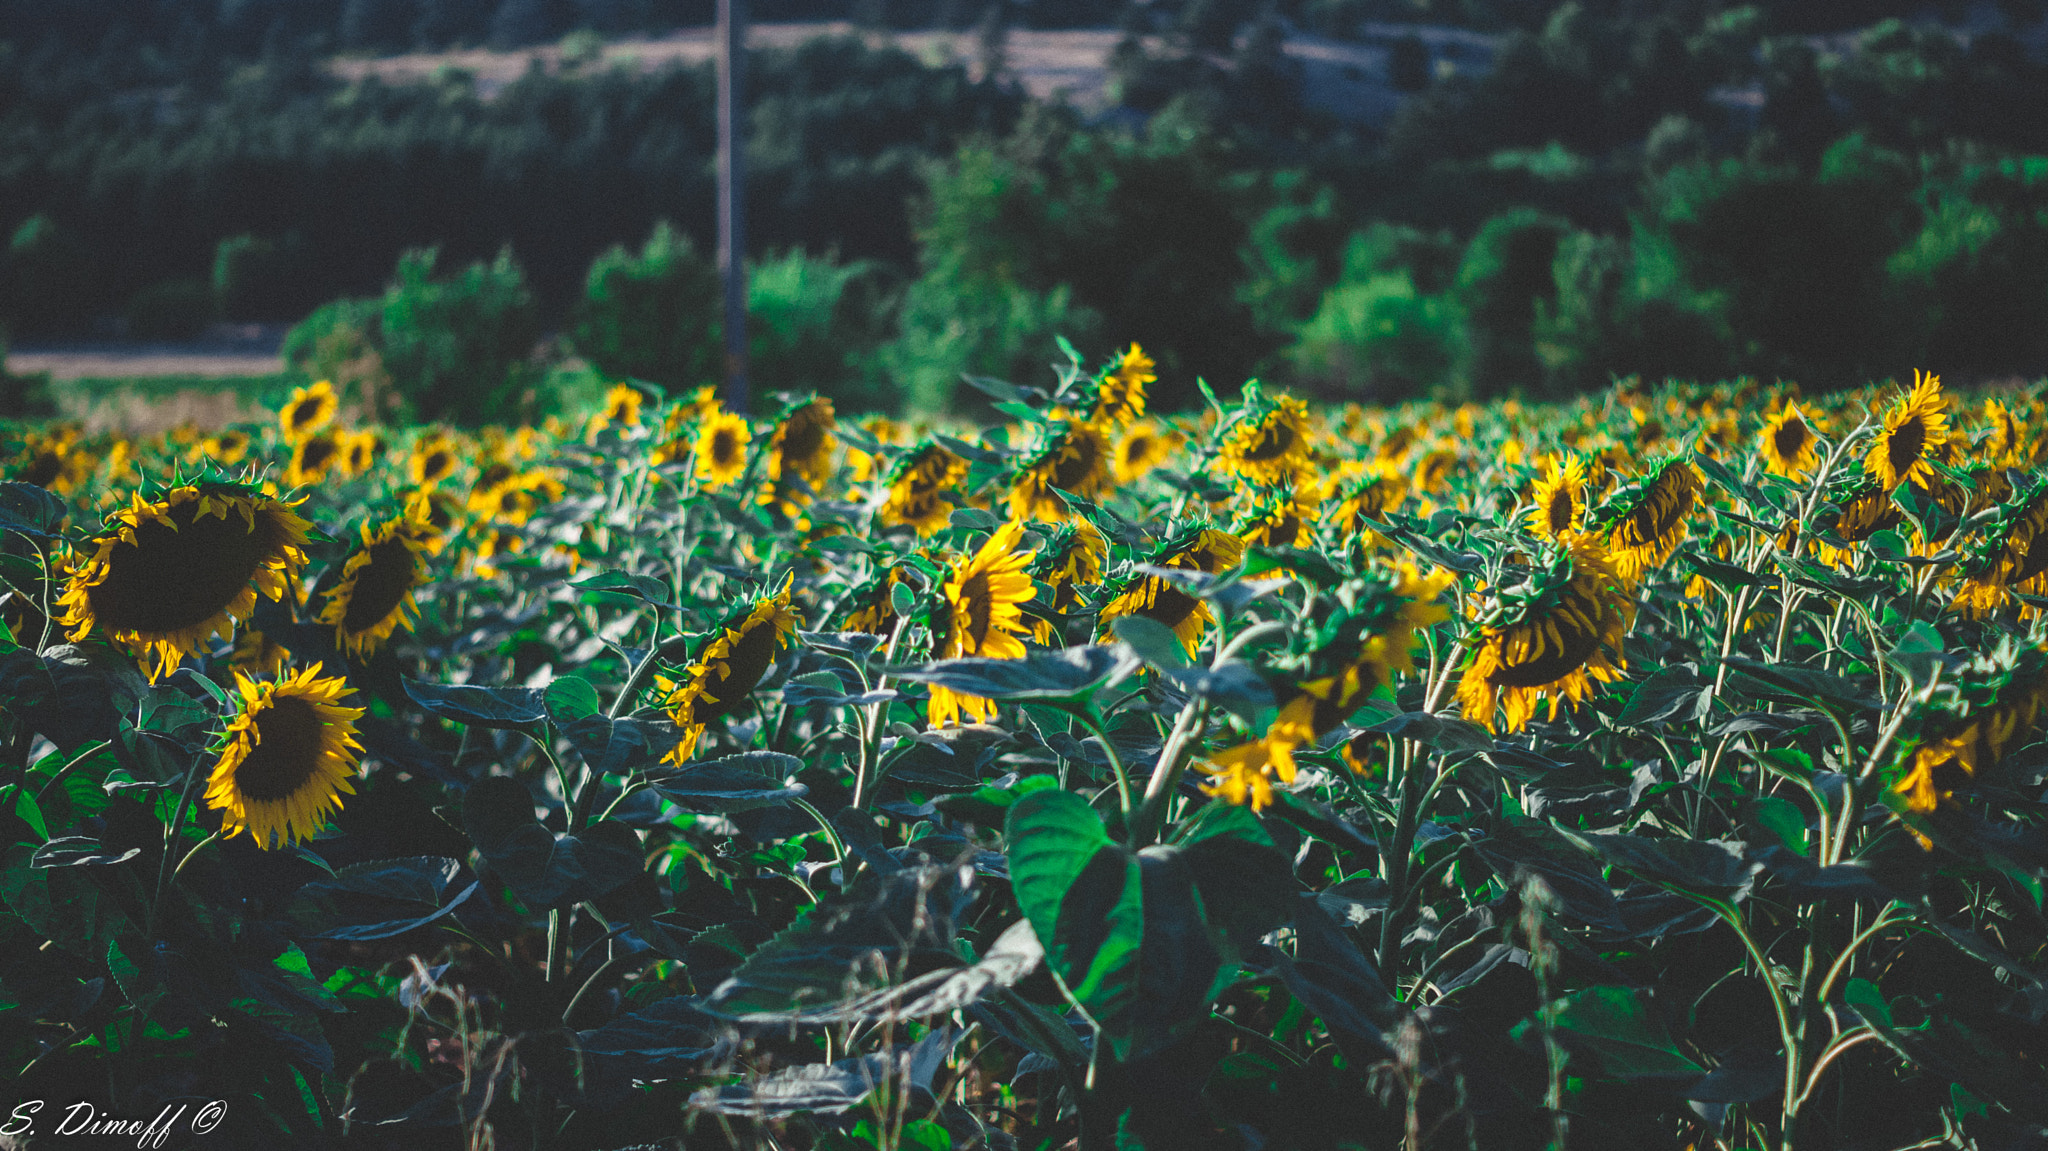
[(1621, 1027), (516, 708), (542, 868), (1084, 896)]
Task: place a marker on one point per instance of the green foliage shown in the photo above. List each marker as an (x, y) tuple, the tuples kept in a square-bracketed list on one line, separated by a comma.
[(457, 347), (653, 316)]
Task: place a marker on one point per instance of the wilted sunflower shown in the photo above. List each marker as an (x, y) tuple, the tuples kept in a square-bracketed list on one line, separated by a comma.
[(1548, 638), (1560, 500), (918, 487), (2014, 557), (729, 667), (1268, 441), (1072, 558), (434, 458), (309, 410), (1645, 522), (1864, 510), (722, 441), (1143, 447), (983, 617), (172, 572), (1978, 741), (621, 410), (800, 454), (312, 458), (1915, 432), (1072, 457), (286, 759), (1120, 392), (1789, 442), (1205, 550), (373, 597), (2006, 445)]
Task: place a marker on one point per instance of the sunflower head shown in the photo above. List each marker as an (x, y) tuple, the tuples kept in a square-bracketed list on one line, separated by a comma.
[(1560, 500), (621, 410), (1789, 441), (1267, 441), (170, 572), (730, 665), (919, 487), (309, 410), (1120, 389), (374, 595), (1645, 522), (802, 444), (1071, 456), (2002, 701), (2013, 555), (359, 451), (313, 457), (53, 460), (722, 439), (1548, 637), (227, 449), (1915, 433), (286, 758), (1143, 446), (1200, 549), (435, 457)]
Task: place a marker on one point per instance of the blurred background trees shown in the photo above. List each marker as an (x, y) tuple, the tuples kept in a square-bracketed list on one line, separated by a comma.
[(1823, 192)]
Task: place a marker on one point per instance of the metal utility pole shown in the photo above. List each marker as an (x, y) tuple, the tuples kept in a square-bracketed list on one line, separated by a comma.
[(732, 232)]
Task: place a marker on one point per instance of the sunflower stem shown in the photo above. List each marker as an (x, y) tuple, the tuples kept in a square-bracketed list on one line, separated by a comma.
[(642, 671)]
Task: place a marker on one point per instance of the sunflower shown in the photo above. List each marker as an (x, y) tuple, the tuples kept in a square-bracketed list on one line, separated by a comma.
[(309, 410), (983, 594), (256, 653), (722, 441), (517, 497), (286, 759), (1864, 510), (312, 458), (2006, 444), (227, 449), (800, 455), (1644, 523), (2014, 557), (1982, 739), (434, 458), (1434, 469), (1915, 432), (1072, 558), (1268, 441), (1205, 550), (1378, 490), (373, 597), (1120, 392), (1550, 637), (621, 410), (1789, 442), (1142, 447), (873, 609), (918, 487), (1283, 520), (729, 667), (54, 461), (1560, 499), (359, 451), (1072, 457), (172, 572)]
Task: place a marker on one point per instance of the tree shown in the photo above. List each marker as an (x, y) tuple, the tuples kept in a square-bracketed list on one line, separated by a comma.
[(457, 347), (652, 316)]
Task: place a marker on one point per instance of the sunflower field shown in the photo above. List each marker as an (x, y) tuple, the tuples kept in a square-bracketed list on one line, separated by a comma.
[(1657, 770)]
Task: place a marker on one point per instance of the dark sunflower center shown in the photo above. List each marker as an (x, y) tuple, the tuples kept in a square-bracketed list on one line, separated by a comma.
[(380, 585), (168, 580), (802, 437), (744, 666), (1559, 513), (1171, 606), (1902, 448), (318, 454), (287, 751), (980, 608), (1273, 442), (300, 414), (42, 469), (493, 476), (725, 447), (1075, 469), (1575, 645), (1790, 439), (437, 465)]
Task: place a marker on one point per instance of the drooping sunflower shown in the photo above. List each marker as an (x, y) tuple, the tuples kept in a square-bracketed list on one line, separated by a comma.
[(374, 596), (1072, 456), (1120, 390), (434, 458), (722, 440), (728, 668), (1071, 559), (1268, 441), (1198, 549), (2013, 558), (1645, 522), (171, 572), (2007, 711), (1283, 519), (1789, 441), (1548, 637), (312, 458), (870, 606), (286, 759), (983, 593), (800, 455), (1560, 499), (1144, 446), (1865, 508), (309, 410), (1379, 489), (919, 485), (515, 499), (2006, 444), (1915, 432)]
